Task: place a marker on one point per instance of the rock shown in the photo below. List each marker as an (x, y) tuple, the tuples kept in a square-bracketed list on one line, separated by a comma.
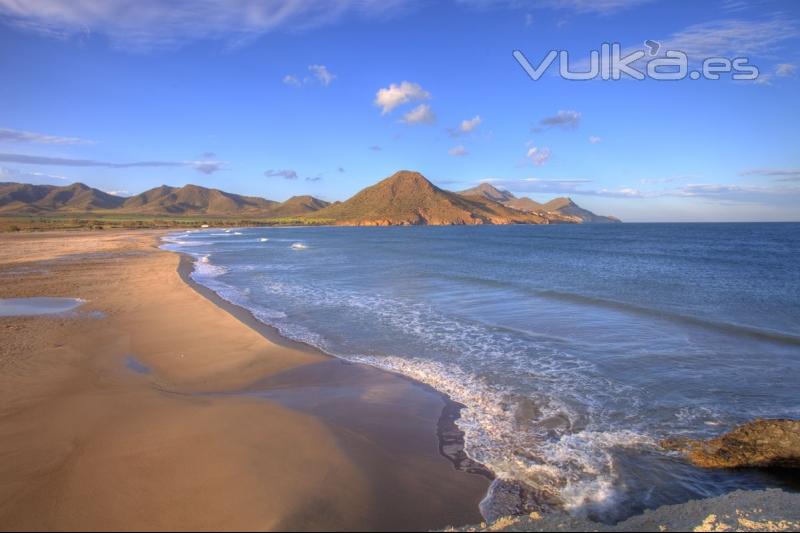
[(756, 444)]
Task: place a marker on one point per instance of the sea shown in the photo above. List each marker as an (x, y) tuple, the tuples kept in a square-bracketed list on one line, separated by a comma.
[(574, 349)]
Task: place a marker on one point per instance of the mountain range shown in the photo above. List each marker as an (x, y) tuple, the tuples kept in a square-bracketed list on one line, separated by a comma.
[(190, 200), (405, 198), (564, 207)]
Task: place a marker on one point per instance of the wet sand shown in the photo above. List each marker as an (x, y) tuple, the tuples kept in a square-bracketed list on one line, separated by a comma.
[(154, 407)]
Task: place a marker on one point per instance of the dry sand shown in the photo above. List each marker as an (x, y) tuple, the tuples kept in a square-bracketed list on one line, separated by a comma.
[(228, 430)]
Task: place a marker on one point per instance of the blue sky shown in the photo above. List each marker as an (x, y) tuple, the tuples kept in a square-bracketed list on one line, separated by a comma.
[(325, 97)]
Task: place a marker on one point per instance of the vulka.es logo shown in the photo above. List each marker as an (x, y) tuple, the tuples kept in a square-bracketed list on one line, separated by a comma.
[(608, 63)]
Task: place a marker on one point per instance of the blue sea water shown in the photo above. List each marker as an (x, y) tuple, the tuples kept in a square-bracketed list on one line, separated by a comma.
[(574, 348)]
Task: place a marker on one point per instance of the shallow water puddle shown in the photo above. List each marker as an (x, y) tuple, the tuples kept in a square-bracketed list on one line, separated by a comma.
[(38, 306), (131, 363)]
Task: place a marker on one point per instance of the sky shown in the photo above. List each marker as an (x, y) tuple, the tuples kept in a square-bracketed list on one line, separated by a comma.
[(325, 97)]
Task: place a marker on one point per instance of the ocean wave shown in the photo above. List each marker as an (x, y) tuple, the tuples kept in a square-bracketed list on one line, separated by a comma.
[(729, 328), (203, 269), (552, 413), (550, 438)]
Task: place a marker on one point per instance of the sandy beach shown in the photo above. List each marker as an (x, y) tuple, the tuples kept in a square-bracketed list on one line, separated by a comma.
[(152, 407)]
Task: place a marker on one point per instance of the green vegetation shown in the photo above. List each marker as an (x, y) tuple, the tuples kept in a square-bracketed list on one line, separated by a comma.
[(97, 221)]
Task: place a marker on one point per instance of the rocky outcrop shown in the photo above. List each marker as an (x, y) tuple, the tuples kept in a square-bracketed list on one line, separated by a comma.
[(764, 510), (757, 444)]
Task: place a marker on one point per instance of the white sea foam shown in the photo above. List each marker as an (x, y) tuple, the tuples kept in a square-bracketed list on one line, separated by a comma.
[(204, 269), (541, 379), (263, 239), (544, 438), (298, 246)]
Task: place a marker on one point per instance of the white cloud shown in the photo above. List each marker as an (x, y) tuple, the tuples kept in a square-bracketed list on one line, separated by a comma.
[(458, 151), (396, 95), (322, 74), (786, 69), (466, 126), (9, 135), (594, 139), (118, 193), (538, 156), (422, 114), (142, 25)]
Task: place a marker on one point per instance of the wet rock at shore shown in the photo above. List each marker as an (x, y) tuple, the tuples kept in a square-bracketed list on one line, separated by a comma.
[(766, 510), (757, 444)]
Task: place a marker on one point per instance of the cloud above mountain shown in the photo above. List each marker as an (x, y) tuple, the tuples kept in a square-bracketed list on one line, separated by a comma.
[(19, 136), (286, 174), (203, 165)]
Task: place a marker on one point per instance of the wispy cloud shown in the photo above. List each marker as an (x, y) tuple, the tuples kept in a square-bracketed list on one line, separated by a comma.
[(667, 179), (143, 25), (759, 40), (19, 136), (731, 38), (779, 174), (319, 73), (396, 95), (712, 192), (12, 174), (563, 119), (602, 7), (458, 151), (292, 80), (785, 70), (737, 193), (286, 174), (205, 166), (422, 114), (594, 139), (562, 186), (375, 148), (323, 75)]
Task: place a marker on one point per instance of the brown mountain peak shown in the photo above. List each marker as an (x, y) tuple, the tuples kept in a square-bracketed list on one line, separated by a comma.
[(490, 192)]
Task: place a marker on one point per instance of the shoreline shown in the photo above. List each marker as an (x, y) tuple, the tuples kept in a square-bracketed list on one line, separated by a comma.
[(451, 439), (224, 430), (226, 416)]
